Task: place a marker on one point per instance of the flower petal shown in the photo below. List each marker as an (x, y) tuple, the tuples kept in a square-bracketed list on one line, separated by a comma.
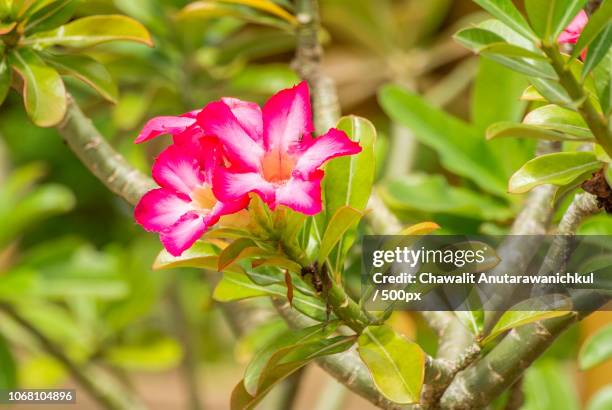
[(572, 32), (159, 209), (180, 236), (230, 186), (302, 195), (287, 118), (226, 208), (217, 119), (331, 145), (178, 169), (163, 125), (248, 115)]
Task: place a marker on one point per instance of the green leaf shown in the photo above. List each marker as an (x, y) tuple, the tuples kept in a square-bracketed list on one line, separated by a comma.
[(529, 311), (396, 364), (8, 366), (342, 221), (285, 362), (232, 252), (433, 194), (348, 180), (598, 50), (44, 94), (596, 349), (549, 18), (552, 91), (557, 169), (602, 75), (553, 117), (493, 46), (5, 79), (508, 13), (483, 41), (266, 6), (460, 146), (87, 70), (602, 399), (200, 255), (90, 31), (597, 22), (292, 337), (513, 130), (51, 16), (238, 286), (201, 10)]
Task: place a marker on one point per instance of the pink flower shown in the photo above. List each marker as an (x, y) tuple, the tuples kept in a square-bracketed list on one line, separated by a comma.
[(271, 152), (185, 205), (572, 32)]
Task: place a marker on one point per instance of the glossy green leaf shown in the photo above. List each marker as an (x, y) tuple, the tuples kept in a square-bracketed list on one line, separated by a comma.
[(460, 146), (292, 337), (8, 366), (509, 14), (396, 364), (344, 218), (552, 91), (200, 255), (5, 79), (598, 50), (87, 70), (348, 180), (44, 94), (493, 46), (513, 130), (564, 190), (483, 41), (560, 119), (602, 399), (597, 22), (90, 31), (596, 349), (266, 6), (203, 11), (238, 286), (602, 75), (232, 252), (556, 169), (529, 311), (433, 194), (549, 18), (51, 16), (285, 362)]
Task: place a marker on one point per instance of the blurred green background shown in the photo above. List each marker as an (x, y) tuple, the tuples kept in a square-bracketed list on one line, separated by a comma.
[(77, 265)]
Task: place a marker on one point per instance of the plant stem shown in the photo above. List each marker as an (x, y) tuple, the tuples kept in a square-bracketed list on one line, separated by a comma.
[(597, 123), (100, 158), (501, 368), (107, 395)]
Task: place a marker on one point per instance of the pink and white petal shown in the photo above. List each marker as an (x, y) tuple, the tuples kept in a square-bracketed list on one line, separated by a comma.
[(183, 234), (210, 155), (226, 208), (230, 186), (159, 209), (248, 115), (163, 125), (178, 169), (287, 118), (334, 143), (574, 29), (302, 195), (217, 119)]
